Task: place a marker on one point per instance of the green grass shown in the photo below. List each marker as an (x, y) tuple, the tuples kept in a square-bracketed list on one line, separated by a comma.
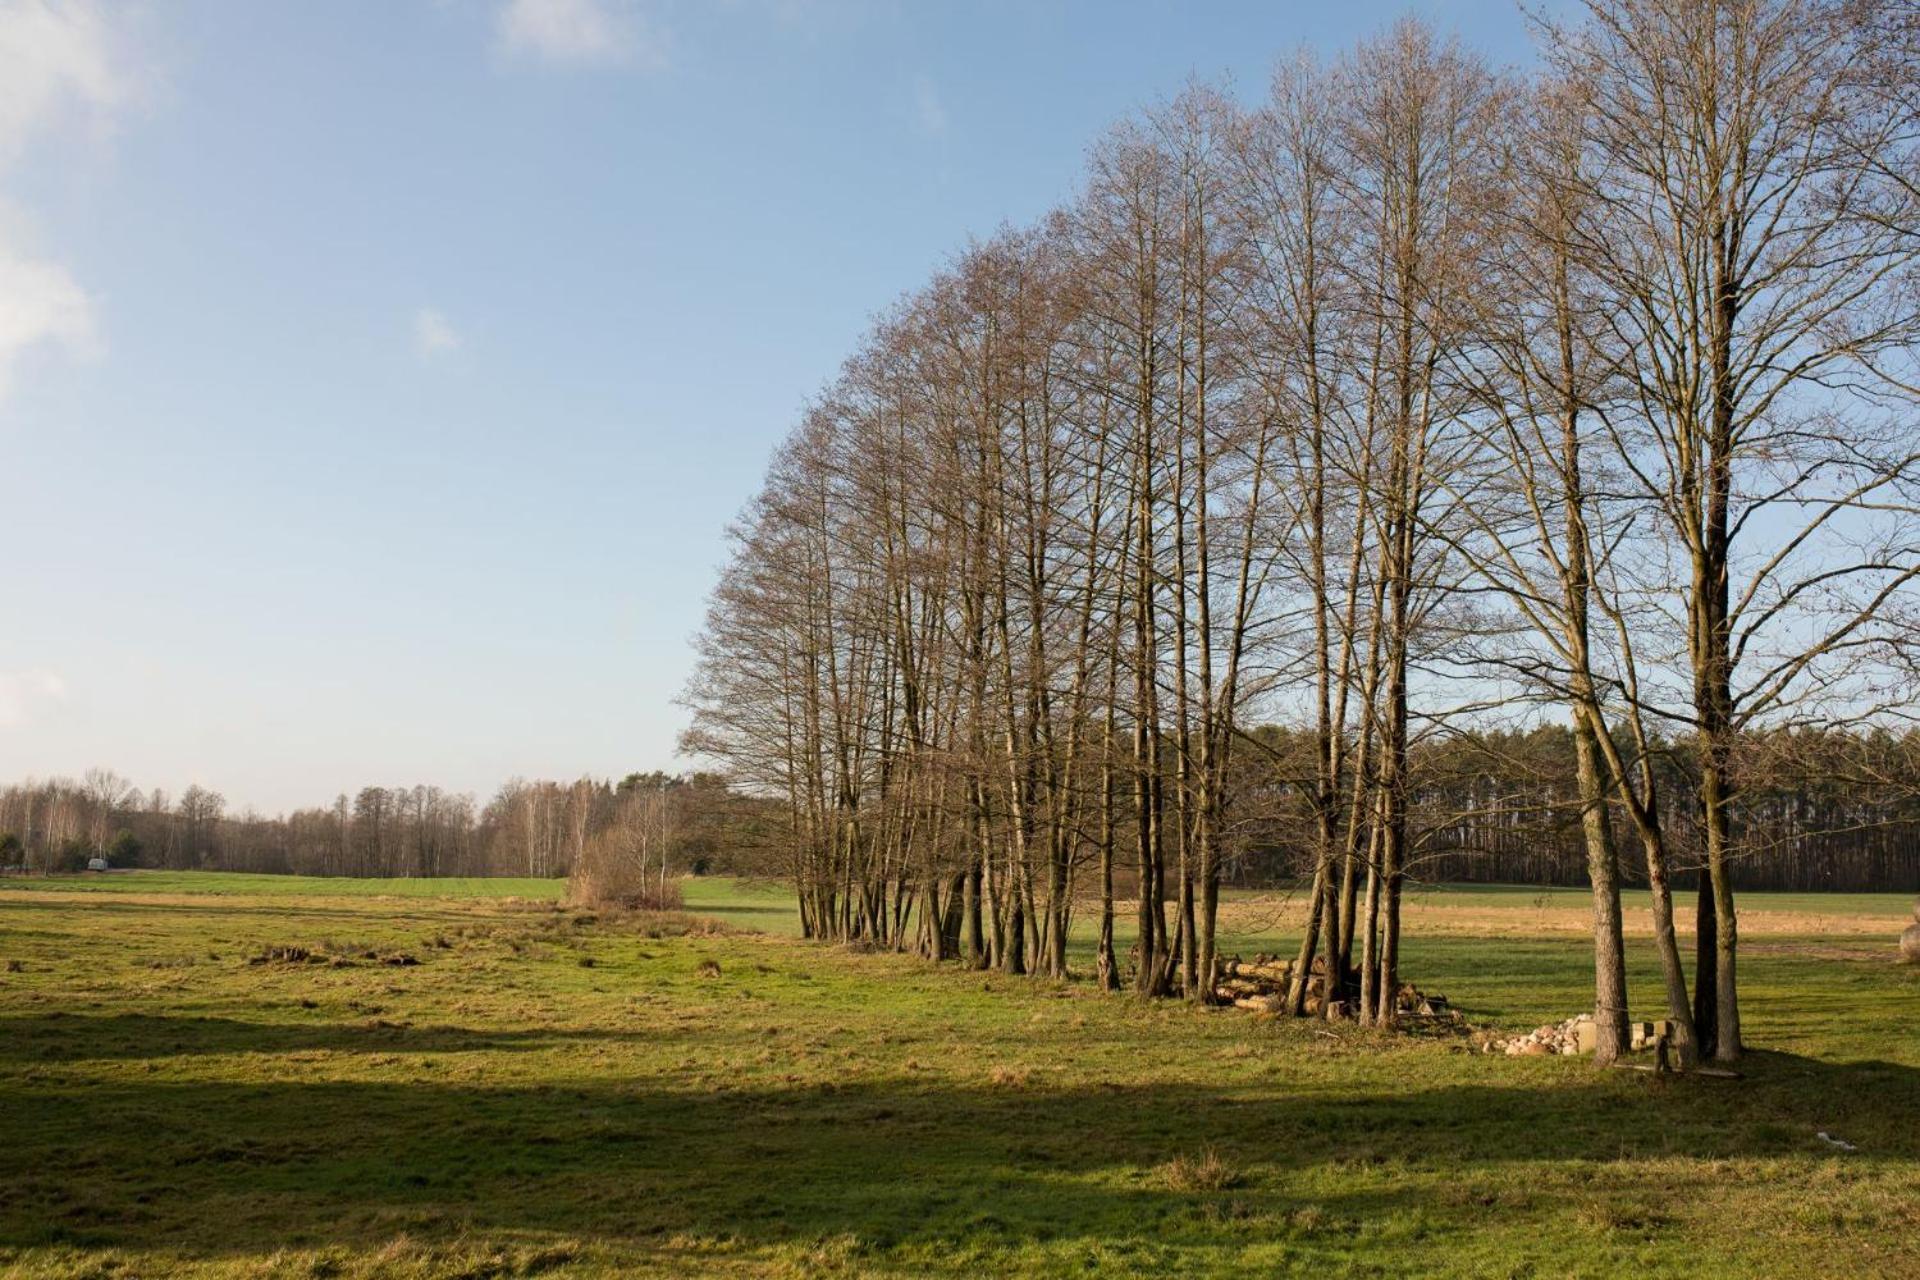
[(764, 906), (231, 883), (549, 1093), (1501, 895)]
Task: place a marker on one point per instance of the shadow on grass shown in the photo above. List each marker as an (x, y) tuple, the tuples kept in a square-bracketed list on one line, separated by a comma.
[(207, 1170), (66, 1038)]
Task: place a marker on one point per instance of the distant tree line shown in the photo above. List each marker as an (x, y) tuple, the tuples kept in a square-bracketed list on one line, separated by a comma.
[(1833, 811), (1822, 812), (1414, 401), (528, 828)]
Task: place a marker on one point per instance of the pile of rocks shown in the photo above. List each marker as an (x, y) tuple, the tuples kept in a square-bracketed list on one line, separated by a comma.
[(1575, 1035)]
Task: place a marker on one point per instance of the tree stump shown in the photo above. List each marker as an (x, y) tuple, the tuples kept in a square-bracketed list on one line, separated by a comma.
[(1910, 944)]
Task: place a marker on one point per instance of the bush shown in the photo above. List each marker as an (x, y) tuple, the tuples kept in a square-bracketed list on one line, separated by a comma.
[(625, 865), (602, 886), (124, 849), (659, 897)]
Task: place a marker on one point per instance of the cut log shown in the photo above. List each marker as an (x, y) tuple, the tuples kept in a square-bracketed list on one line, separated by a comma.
[(1269, 970), (1710, 1073)]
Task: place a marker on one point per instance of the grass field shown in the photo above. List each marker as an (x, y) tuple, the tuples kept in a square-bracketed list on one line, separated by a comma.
[(545, 1093), (242, 883)]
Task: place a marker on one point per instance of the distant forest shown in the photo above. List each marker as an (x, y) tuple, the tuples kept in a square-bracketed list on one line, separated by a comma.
[(1823, 811), (539, 828), (1826, 812)]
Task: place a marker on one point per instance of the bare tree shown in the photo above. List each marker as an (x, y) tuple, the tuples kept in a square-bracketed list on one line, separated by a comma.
[(1750, 228)]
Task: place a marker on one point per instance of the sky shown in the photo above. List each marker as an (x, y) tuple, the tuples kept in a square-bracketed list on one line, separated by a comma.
[(378, 378)]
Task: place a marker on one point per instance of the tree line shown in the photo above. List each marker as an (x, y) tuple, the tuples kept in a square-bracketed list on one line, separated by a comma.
[(537, 828), (1830, 811), (1418, 402)]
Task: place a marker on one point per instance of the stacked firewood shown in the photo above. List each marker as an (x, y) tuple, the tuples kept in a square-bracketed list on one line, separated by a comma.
[(1261, 984)]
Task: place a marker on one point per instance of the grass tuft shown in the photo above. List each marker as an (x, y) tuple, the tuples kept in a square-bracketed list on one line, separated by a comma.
[(1203, 1172)]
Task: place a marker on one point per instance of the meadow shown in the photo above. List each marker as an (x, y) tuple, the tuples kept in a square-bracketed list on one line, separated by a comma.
[(227, 1075)]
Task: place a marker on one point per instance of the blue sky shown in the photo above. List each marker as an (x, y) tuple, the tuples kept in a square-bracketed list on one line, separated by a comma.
[(377, 379)]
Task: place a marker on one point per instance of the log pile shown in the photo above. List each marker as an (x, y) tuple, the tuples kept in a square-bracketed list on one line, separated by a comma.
[(1260, 984)]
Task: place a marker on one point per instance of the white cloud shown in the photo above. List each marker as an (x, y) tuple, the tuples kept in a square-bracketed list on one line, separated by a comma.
[(580, 33), (41, 305), (928, 111), (59, 64), (55, 56), (22, 693), (433, 334)]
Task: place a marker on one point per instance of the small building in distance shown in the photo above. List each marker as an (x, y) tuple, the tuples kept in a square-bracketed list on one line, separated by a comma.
[(98, 864)]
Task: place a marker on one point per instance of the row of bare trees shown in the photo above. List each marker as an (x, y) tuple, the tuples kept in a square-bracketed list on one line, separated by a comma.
[(539, 828), (61, 823), (1416, 398)]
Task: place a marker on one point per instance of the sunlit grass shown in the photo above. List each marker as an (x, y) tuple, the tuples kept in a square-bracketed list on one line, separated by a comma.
[(747, 1104)]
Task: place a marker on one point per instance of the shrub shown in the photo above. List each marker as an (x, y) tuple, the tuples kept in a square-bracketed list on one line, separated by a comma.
[(72, 856), (124, 849), (625, 865), (591, 890)]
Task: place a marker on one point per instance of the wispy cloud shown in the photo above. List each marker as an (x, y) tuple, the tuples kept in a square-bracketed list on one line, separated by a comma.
[(929, 113), (59, 66), (25, 693), (56, 56), (433, 334), (589, 33), (41, 305)]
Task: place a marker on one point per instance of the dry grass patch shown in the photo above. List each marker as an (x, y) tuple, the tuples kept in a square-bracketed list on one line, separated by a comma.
[(1203, 1172), (1549, 915)]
